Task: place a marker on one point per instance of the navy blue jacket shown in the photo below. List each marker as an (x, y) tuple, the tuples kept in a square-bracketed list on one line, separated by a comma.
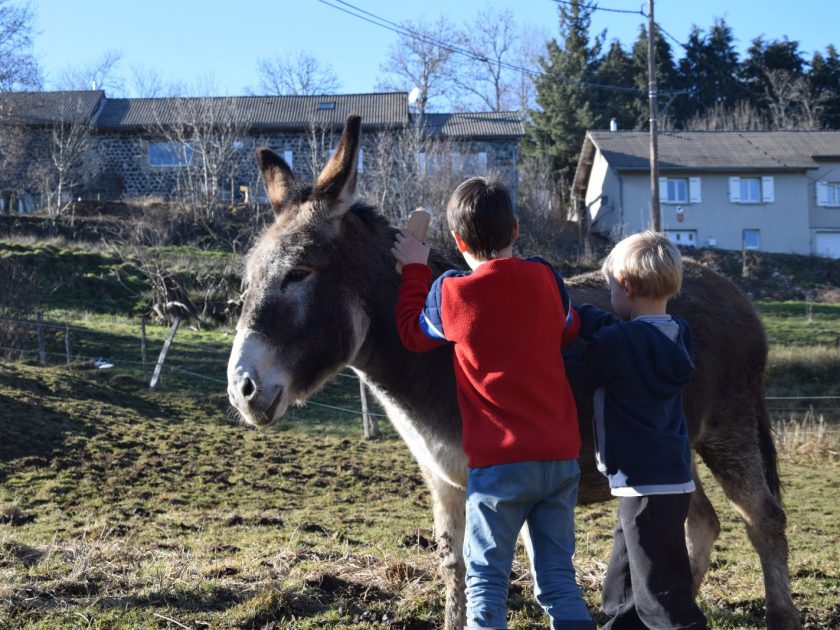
[(638, 375)]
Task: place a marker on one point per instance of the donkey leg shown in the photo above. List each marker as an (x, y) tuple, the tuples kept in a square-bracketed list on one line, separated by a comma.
[(448, 505), (746, 487), (702, 528)]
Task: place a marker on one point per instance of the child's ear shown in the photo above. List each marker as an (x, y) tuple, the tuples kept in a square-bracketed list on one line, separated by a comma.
[(629, 290), (462, 246)]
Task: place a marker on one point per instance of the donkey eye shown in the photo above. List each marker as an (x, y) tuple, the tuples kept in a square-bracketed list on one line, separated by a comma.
[(295, 275)]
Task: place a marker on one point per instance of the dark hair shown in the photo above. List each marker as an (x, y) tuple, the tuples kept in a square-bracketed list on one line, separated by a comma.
[(481, 213)]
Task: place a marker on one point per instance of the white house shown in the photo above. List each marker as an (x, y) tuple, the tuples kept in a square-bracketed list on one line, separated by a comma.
[(776, 191)]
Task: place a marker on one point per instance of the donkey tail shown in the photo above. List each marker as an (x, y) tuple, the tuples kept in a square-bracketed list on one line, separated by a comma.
[(767, 447)]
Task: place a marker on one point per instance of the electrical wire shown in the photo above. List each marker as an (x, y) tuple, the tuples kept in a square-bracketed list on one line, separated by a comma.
[(372, 18)]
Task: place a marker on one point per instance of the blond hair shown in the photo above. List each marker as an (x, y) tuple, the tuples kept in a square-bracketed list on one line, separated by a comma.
[(650, 261)]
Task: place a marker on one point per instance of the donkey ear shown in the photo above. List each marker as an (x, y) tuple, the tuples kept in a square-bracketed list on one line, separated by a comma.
[(277, 175), (337, 182)]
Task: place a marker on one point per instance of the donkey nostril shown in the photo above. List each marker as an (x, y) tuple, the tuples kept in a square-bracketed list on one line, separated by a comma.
[(248, 388)]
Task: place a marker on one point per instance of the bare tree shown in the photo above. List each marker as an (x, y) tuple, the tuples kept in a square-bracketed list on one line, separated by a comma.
[(146, 82), (792, 101), (484, 74), (741, 117), (203, 135), (18, 66), (69, 164), (421, 58), (408, 168), (100, 74), (296, 74)]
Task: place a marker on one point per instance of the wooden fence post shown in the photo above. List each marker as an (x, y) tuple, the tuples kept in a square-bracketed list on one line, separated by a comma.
[(153, 383), (67, 341), (42, 351), (370, 425)]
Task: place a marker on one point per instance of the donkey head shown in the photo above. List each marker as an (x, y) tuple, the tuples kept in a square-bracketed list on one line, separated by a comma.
[(300, 321)]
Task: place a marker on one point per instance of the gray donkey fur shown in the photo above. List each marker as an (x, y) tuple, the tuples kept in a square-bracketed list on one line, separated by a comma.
[(321, 294)]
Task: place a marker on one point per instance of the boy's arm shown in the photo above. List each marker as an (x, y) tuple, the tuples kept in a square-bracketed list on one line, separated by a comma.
[(572, 323), (415, 318), (592, 368), (593, 319)]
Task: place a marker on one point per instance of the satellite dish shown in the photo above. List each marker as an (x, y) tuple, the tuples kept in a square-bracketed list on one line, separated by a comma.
[(413, 95)]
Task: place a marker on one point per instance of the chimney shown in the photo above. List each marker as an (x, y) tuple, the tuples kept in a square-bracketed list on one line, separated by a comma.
[(613, 124)]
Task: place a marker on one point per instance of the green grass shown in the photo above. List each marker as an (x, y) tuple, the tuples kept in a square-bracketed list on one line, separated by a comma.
[(801, 323), (124, 508)]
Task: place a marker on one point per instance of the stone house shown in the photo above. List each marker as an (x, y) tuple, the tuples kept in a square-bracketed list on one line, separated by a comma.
[(776, 191), (162, 146)]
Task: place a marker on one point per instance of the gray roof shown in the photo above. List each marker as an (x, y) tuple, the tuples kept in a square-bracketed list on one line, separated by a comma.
[(718, 150), (44, 108), (263, 112), (474, 125)]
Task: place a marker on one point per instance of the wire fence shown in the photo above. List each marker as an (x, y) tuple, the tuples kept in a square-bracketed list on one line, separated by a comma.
[(128, 350)]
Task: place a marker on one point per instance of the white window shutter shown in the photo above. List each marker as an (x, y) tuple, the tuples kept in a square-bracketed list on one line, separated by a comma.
[(289, 158), (421, 163), (456, 162), (768, 194), (734, 189), (482, 161), (663, 190), (822, 193), (360, 164), (694, 189)]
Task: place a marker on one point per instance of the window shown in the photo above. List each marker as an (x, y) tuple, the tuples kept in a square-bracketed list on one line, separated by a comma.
[(360, 163), (751, 239), (751, 190), (170, 154), (474, 164), (431, 164), (679, 190), (684, 238), (289, 158), (828, 194), (676, 191)]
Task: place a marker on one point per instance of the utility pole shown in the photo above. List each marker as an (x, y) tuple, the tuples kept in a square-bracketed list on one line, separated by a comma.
[(655, 214)]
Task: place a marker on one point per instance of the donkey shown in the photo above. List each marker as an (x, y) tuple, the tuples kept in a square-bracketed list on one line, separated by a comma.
[(320, 294)]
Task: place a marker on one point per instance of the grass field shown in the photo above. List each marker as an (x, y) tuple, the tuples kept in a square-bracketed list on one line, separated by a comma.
[(123, 508)]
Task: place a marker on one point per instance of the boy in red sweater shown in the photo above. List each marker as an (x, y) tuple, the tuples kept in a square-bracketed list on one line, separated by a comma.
[(508, 320)]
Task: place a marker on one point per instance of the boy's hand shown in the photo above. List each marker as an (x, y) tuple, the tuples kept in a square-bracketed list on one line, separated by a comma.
[(408, 250)]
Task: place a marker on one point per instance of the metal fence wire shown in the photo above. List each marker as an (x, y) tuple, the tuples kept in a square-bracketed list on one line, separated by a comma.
[(60, 342)]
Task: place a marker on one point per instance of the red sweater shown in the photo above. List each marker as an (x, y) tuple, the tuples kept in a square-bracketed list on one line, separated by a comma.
[(506, 320)]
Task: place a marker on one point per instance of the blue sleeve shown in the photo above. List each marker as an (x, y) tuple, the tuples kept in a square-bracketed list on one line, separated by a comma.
[(593, 319), (561, 286), (431, 320)]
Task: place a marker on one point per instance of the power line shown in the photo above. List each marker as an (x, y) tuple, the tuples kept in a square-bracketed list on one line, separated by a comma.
[(594, 7), (403, 31)]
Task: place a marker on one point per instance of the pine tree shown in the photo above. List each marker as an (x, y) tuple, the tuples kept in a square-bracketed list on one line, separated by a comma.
[(617, 68), (825, 78), (565, 111), (710, 71), (667, 77)]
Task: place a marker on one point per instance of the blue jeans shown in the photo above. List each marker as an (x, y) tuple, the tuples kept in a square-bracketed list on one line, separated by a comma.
[(500, 500)]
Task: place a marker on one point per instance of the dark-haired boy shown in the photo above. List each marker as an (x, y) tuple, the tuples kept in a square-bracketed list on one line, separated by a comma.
[(508, 320)]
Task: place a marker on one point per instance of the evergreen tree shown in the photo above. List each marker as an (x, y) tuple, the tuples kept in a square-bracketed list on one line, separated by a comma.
[(825, 79), (565, 111), (766, 58), (667, 77), (710, 71), (617, 68)]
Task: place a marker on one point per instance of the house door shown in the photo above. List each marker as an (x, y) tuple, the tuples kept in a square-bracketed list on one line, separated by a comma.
[(828, 244)]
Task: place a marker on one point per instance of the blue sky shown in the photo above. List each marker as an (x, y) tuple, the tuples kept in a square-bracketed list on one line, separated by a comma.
[(190, 40)]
